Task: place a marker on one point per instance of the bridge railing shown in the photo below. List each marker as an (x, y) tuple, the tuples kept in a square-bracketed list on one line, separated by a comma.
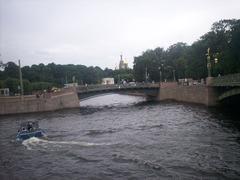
[(82, 88), (227, 80)]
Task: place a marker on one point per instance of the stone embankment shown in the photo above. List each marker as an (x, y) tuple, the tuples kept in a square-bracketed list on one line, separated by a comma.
[(64, 99), (200, 94)]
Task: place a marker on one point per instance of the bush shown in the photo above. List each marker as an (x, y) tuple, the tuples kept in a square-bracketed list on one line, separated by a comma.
[(39, 86)]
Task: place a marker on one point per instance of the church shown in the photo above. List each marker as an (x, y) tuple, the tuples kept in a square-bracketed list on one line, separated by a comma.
[(122, 64)]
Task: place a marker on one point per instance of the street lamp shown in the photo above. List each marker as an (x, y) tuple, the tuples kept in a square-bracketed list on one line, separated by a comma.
[(162, 71), (118, 79), (146, 75), (208, 62), (209, 65), (174, 77), (160, 75), (160, 68), (170, 68), (20, 77)]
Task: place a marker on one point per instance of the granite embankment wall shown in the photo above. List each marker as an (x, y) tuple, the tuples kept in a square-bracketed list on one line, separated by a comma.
[(200, 94), (47, 102)]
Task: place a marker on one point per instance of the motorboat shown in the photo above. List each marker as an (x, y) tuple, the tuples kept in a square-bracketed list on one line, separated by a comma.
[(29, 129)]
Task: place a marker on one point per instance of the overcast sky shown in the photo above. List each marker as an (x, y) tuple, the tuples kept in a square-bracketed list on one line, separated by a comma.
[(96, 32)]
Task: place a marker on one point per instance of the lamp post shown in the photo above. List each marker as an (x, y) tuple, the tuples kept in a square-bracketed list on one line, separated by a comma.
[(118, 79), (160, 68), (21, 81), (208, 62), (146, 75), (160, 75), (209, 65), (162, 71), (174, 77), (173, 72)]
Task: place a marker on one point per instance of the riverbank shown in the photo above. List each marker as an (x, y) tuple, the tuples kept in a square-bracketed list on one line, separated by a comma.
[(47, 102)]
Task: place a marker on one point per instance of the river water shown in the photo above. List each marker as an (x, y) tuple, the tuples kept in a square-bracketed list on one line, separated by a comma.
[(124, 137)]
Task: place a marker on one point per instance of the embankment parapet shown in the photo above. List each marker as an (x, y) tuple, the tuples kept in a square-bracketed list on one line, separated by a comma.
[(15, 105)]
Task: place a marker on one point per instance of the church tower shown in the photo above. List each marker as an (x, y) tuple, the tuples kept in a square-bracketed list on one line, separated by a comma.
[(122, 64)]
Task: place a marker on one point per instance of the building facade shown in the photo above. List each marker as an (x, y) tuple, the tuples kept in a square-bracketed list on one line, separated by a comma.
[(107, 81), (4, 92)]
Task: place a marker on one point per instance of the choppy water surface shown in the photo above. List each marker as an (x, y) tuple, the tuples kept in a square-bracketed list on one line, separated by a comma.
[(124, 137)]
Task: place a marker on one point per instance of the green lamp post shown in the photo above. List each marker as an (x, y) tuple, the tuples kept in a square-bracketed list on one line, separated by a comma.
[(208, 62)]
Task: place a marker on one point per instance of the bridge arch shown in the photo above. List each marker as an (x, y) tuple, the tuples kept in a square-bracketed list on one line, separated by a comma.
[(147, 90), (229, 94), (94, 96)]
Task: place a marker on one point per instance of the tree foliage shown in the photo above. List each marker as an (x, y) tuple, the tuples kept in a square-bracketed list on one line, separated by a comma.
[(41, 77), (190, 61)]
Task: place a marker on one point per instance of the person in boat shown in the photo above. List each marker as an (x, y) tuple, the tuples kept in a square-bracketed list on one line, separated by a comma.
[(30, 126)]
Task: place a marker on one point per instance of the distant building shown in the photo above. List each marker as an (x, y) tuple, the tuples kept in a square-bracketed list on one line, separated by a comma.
[(122, 64), (106, 81), (186, 81), (68, 85), (4, 92)]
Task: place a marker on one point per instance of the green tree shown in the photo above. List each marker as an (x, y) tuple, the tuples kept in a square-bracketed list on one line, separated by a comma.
[(12, 84), (27, 87), (1, 84), (11, 70), (190, 61)]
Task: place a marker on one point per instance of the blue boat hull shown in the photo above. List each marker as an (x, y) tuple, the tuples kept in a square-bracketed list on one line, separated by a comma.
[(27, 135)]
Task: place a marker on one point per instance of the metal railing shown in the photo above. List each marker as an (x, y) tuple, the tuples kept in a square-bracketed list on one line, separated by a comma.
[(99, 87), (227, 80)]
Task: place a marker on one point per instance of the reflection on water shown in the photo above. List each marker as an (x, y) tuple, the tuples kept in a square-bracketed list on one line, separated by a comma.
[(124, 137)]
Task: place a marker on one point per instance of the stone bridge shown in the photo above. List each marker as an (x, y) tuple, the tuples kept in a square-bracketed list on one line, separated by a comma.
[(145, 89), (227, 86), (231, 80), (217, 89)]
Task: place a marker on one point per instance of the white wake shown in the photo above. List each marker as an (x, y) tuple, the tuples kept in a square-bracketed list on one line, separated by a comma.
[(34, 142)]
